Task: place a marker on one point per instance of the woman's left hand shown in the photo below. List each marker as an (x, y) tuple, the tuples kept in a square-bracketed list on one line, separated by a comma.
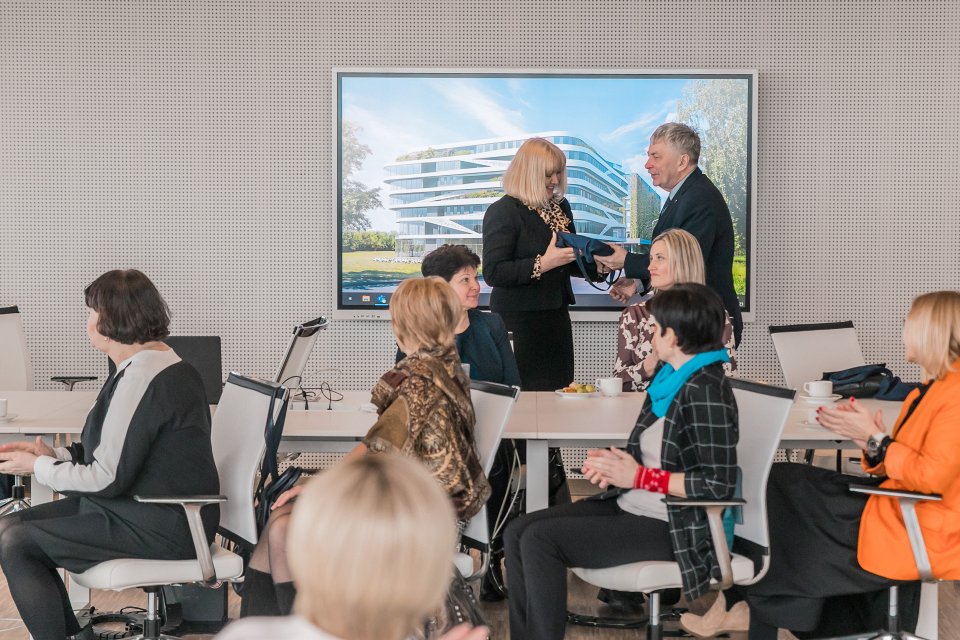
[(19, 463), (851, 420), (610, 467)]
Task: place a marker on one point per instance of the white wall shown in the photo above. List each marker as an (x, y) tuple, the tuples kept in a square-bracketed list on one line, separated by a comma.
[(192, 139)]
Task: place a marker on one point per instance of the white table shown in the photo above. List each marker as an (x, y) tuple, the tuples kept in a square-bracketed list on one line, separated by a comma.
[(542, 419)]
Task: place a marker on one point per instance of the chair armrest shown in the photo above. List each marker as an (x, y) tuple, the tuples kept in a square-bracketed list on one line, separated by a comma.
[(896, 493), (908, 503), (69, 381), (714, 509), (673, 501), (192, 506), (211, 499)]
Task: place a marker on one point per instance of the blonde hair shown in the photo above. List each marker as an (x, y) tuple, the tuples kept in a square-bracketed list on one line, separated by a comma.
[(932, 331), (426, 311), (371, 548), (684, 256), (525, 177)]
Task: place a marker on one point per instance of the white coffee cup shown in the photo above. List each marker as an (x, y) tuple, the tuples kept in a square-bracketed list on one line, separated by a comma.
[(3, 408), (610, 386), (818, 388)]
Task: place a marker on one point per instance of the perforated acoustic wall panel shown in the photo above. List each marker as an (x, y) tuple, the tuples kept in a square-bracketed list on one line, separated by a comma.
[(192, 139)]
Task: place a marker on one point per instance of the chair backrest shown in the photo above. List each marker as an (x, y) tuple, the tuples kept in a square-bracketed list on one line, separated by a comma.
[(763, 411), (492, 403), (238, 445), (204, 354), (807, 351), (16, 373), (290, 373)]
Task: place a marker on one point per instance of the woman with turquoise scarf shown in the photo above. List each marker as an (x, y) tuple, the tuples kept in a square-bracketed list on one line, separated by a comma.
[(684, 444)]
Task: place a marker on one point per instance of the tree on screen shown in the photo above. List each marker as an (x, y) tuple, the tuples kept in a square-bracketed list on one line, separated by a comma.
[(357, 198), (717, 109)]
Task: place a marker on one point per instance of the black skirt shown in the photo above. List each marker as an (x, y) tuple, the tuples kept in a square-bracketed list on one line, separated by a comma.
[(543, 346), (815, 587)]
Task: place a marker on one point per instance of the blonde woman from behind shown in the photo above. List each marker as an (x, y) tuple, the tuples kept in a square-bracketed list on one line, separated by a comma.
[(375, 539)]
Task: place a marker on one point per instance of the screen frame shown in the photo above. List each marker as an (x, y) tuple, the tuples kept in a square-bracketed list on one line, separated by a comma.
[(749, 309)]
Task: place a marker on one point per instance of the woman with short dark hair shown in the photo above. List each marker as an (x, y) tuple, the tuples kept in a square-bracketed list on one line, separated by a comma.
[(148, 433), (481, 338), (684, 445)]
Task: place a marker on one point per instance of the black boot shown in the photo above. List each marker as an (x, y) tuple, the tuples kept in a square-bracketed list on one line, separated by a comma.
[(493, 588)]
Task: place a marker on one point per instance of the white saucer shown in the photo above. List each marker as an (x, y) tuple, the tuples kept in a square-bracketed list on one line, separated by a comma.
[(10, 417), (562, 394), (821, 399)]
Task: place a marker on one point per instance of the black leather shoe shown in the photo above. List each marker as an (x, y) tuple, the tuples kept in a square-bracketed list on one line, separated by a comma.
[(84, 634), (622, 601)]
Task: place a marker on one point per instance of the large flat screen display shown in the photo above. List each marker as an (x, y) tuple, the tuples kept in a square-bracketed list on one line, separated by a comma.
[(420, 155)]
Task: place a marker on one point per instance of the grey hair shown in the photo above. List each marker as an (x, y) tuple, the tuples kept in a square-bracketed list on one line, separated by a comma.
[(681, 137)]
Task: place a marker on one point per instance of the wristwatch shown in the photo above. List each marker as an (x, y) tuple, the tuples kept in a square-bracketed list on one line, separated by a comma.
[(877, 446)]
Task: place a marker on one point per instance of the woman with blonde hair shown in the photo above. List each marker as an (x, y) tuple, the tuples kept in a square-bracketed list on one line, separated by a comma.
[(675, 257), (529, 274), (835, 553), (374, 541), (424, 412)]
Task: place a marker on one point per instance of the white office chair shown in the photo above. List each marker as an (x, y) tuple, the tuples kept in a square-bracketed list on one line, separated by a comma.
[(927, 624), (238, 446), (493, 403), (16, 374), (763, 413), (807, 351)]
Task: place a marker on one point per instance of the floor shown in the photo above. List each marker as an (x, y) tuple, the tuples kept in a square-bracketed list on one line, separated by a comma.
[(582, 598)]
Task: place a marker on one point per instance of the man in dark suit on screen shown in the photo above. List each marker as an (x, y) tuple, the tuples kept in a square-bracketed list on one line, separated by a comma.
[(694, 205)]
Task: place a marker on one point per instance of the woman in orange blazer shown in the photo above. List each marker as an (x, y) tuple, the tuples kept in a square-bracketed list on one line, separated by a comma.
[(834, 553)]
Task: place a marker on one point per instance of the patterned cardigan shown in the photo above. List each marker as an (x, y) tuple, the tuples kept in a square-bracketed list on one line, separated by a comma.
[(699, 440), (635, 343)]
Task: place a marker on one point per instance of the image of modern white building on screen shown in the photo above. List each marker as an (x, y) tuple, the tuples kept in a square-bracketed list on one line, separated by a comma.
[(440, 193)]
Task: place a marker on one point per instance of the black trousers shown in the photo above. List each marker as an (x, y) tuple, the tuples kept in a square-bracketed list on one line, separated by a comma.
[(75, 534), (815, 586), (589, 533)]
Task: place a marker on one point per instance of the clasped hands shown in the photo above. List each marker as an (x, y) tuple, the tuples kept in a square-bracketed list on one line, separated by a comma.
[(18, 458), (610, 467), (851, 420)]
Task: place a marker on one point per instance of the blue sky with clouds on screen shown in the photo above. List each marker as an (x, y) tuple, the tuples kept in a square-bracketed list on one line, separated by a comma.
[(398, 115)]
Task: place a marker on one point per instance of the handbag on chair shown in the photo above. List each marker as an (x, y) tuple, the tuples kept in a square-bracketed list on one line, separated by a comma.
[(584, 250)]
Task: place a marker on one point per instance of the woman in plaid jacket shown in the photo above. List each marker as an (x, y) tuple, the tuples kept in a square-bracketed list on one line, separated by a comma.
[(684, 444)]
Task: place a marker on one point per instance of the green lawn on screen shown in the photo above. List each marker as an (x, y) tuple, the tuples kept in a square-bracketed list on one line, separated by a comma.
[(740, 274)]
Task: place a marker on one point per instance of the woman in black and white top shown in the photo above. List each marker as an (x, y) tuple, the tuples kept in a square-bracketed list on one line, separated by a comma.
[(147, 434)]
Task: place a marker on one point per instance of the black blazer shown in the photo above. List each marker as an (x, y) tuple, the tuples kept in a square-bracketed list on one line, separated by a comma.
[(513, 236), (698, 207)]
